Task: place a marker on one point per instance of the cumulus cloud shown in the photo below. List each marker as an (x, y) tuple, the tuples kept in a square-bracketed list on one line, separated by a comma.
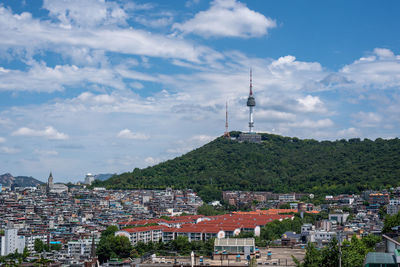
[(227, 18), (49, 132), (310, 103), (128, 134), (380, 70)]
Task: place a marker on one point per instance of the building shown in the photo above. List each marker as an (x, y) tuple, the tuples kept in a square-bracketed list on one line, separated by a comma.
[(379, 199), (320, 236), (377, 259), (57, 188), (199, 228), (81, 247), (89, 179), (393, 207), (339, 217), (251, 136), (11, 242), (231, 248), (144, 234), (30, 240), (287, 197)]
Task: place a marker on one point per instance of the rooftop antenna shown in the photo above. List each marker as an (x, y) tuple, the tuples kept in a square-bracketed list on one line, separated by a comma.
[(226, 134)]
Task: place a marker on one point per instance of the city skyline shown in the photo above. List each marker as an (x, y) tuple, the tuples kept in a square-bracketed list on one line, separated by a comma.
[(107, 86)]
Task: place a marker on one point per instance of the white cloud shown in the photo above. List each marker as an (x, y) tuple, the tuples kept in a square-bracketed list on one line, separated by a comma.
[(367, 119), (380, 70), (184, 146), (49, 132), (137, 85), (42, 152), (42, 78), (190, 3), (227, 18), (9, 150), (128, 134), (323, 123), (150, 161), (349, 133), (2, 139), (86, 13), (310, 103), (23, 31), (273, 115)]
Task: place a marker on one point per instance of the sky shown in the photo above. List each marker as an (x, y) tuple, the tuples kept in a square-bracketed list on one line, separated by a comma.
[(107, 86)]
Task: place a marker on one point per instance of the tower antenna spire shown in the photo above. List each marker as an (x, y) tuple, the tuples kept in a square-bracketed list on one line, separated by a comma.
[(251, 103), (251, 81), (226, 134)]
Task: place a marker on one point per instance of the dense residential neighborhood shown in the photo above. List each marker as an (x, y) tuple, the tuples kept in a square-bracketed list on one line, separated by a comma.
[(70, 220)]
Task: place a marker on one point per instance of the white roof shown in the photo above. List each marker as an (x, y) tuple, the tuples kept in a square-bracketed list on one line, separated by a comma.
[(234, 242)]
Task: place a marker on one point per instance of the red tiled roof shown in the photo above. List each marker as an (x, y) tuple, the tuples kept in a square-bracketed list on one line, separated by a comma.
[(227, 222), (144, 228)]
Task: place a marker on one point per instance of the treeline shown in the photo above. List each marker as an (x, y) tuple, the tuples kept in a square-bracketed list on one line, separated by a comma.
[(352, 253), (278, 164)]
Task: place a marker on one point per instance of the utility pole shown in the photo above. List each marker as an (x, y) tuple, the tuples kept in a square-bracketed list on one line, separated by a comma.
[(340, 250)]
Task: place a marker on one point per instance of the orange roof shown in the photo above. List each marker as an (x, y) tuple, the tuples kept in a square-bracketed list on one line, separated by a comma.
[(142, 222), (144, 229), (226, 222), (268, 212)]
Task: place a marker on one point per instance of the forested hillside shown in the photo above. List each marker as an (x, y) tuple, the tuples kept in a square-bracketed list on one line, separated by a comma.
[(279, 164)]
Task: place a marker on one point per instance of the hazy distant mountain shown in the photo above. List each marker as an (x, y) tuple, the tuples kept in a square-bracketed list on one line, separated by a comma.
[(103, 176), (20, 181)]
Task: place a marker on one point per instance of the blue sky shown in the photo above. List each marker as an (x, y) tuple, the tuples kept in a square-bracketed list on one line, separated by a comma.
[(106, 86)]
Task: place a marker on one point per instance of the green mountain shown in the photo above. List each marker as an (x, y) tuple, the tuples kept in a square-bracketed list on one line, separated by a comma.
[(278, 164)]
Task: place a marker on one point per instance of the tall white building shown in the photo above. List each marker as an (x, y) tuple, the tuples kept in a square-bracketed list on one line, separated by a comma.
[(89, 179), (11, 241)]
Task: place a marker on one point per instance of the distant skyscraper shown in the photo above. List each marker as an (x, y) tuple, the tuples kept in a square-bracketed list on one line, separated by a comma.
[(251, 103)]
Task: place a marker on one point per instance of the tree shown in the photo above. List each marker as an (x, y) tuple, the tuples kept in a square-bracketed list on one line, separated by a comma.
[(312, 258), (353, 253), (330, 254), (38, 245), (279, 164), (208, 210), (111, 246), (182, 245), (110, 230), (390, 222)]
